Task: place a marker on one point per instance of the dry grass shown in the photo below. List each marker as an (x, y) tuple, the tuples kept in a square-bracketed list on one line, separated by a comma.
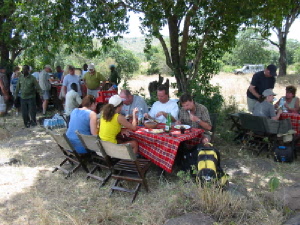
[(31, 194)]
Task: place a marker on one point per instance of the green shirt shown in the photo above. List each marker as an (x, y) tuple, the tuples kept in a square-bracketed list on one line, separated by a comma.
[(28, 86), (92, 81), (114, 77)]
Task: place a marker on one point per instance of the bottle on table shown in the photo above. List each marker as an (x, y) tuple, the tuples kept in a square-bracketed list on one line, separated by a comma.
[(168, 123), (281, 105), (140, 117)]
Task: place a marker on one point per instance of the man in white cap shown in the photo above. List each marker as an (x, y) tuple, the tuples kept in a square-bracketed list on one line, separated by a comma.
[(92, 80), (44, 82), (266, 107)]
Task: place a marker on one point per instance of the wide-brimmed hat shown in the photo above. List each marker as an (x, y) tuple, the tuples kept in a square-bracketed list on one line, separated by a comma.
[(115, 100), (268, 92), (272, 68)]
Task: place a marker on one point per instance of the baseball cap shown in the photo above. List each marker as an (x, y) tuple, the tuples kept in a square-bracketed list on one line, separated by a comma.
[(272, 68), (91, 67), (115, 100), (48, 66), (268, 92)]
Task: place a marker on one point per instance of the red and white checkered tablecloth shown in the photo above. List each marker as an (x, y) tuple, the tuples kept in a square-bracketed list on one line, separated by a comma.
[(162, 148), (295, 120)]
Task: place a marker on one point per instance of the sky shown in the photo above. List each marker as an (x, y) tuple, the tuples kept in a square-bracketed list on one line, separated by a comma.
[(134, 30)]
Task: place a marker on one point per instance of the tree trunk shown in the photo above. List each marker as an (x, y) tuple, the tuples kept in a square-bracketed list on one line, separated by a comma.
[(282, 57)]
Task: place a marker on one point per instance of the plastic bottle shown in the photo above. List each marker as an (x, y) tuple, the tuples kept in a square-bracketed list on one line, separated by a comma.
[(140, 117), (281, 104), (168, 123)]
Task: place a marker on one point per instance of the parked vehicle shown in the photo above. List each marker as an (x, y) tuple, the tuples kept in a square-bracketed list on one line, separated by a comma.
[(247, 68)]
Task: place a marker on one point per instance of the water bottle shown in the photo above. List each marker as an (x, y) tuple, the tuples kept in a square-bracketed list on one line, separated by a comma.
[(140, 117), (281, 104), (168, 123)]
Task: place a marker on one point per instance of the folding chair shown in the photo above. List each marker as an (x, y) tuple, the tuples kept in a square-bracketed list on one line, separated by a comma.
[(71, 156), (129, 168), (98, 159)]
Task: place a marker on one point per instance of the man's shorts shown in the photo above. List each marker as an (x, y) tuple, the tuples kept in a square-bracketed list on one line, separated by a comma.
[(46, 95), (251, 102)]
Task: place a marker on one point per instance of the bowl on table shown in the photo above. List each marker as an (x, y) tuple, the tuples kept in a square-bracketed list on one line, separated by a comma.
[(150, 124)]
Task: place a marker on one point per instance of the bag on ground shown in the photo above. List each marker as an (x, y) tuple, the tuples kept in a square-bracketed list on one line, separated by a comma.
[(209, 169), (284, 153)]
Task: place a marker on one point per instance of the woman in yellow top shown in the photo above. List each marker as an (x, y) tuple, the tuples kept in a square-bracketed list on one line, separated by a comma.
[(111, 122)]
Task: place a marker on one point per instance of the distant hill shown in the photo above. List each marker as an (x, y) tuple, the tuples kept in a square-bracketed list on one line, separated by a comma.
[(136, 45)]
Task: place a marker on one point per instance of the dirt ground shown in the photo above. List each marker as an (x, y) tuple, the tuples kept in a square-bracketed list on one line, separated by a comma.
[(31, 194)]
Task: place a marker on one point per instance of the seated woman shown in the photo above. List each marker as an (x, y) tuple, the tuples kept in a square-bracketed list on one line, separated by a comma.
[(111, 121), (266, 108), (291, 102), (85, 121)]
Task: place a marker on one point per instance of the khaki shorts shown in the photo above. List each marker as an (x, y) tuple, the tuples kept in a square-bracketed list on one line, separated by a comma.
[(251, 102)]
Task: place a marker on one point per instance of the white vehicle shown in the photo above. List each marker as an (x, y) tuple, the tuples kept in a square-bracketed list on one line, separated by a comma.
[(247, 68)]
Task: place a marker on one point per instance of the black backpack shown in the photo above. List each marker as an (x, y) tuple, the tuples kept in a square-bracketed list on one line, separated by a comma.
[(283, 153)]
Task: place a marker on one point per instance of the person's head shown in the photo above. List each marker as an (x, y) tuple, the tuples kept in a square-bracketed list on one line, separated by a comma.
[(89, 101), (91, 68), (16, 69), (48, 68), (2, 69), (25, 70), (112, 67), (85, 67), (99, 107), (290, 91), (126, 96), (114, 105), (71, 70), (163, 93), (268, 95), (187, 102), (74, 87), (270, 71), (58, 69)]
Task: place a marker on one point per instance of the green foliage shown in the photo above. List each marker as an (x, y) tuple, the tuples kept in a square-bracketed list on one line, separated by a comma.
[(250, 48), (292, 47), (274, 183)]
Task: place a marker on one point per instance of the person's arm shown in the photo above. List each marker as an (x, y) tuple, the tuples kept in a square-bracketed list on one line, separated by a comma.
[(201, 122), (93, 123), (131, 126), (276, 105), (253, 91), (78, 99), (295, 109), (279, 111), (4, 91)]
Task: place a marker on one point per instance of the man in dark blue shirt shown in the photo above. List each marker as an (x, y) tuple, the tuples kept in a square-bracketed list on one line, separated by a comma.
[(261, 81)]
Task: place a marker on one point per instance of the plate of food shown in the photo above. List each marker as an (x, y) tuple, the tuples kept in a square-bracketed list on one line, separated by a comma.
[(182, 126), (155, 131)]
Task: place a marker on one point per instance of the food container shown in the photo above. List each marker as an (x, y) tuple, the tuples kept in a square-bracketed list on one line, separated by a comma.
[(150, 124)]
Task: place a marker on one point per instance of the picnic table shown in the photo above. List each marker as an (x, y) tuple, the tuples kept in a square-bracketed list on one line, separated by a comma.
[(295, 120), (162, 148)]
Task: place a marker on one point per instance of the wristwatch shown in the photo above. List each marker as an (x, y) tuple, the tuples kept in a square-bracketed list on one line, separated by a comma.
[(198, 121)]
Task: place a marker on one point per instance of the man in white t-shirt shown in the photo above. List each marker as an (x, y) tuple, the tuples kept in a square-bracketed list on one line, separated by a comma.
[(73, 99), (71, 78), (163, 106), (44, 82)]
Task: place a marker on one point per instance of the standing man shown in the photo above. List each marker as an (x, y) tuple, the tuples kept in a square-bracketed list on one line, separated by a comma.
[(44, 82), (28, 86), (59, 72), (261, 81), (195, 115), (71, 78), (114, 77), (163, 106), (132, 101), (92, 81), (84, 70), (4, 91)]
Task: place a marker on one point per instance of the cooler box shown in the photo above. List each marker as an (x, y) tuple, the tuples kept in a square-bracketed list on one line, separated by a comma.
[(103, 96)]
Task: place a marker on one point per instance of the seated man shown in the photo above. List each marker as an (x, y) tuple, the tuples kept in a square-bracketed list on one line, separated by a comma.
[(73, 99), (132, 101), (163, 106), (195, 115), (266, 108)]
